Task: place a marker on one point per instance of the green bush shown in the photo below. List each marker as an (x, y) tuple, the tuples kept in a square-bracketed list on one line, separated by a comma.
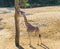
[(27, 5)]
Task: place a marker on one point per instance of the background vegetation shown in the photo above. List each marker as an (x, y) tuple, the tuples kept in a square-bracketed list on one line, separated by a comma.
[(30, 3)]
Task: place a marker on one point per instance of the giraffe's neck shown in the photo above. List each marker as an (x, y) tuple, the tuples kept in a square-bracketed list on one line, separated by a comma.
[(25, 20)]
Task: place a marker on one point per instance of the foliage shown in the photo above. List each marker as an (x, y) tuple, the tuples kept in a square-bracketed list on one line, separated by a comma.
[(44, 2), (32, 3), (27, 4), (6, 3)]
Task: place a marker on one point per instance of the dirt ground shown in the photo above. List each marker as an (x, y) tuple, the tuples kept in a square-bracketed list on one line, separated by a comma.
[(46, 18)]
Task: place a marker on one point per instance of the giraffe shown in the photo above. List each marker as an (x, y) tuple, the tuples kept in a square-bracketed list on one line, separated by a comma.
[(31, 29)]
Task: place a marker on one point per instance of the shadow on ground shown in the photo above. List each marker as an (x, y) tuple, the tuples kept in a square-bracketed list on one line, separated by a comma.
[(19, 47), (1, 19), (5, 12), (1, 28), (32, 47), (28, 14), (10, 8), (44, 46)]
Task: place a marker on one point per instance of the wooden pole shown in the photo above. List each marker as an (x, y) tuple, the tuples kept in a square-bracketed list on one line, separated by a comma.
[(17, 17)]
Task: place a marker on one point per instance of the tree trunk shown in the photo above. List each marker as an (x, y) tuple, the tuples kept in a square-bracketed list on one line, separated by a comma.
[(17, 16)]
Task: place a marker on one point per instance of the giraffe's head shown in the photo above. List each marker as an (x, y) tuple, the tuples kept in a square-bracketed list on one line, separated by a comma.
[(23, 13)]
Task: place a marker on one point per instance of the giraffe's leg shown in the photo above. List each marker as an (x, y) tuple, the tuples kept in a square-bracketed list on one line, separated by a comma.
[(35, 33), (29, 39), (39, 39)]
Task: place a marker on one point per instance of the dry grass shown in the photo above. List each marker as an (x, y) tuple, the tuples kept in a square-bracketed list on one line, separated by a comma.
[(46, 18)]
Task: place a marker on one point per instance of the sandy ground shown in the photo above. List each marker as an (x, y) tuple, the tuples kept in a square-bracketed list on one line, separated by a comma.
[(46, 18)]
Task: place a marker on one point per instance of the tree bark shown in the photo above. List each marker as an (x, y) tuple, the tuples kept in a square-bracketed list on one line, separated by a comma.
[(17, 17)]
